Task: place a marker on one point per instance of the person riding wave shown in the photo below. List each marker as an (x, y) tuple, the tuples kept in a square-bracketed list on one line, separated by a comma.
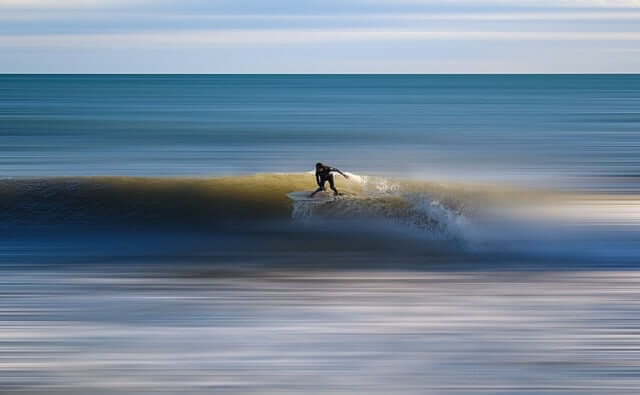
[(324, 174)]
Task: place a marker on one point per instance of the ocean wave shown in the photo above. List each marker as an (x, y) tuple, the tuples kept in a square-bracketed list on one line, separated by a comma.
[(143, 200), (210, 201), (482, 217)]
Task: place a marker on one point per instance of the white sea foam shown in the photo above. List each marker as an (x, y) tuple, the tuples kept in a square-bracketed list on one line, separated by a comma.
[(386, 201)]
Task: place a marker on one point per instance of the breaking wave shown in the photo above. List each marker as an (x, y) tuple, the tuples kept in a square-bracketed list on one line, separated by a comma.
[(483, 217), (388, 202), (205, 202)]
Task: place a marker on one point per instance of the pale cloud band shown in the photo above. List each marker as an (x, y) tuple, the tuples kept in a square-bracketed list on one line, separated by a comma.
[(376, 17), (67, 4), (258, 37), (521, 3), (337, 35)]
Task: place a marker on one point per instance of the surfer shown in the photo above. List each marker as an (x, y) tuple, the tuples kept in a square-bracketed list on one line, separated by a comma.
[(324, 174)]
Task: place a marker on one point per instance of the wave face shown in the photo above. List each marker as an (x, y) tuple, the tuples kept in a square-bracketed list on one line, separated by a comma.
[(475, 218), (137, 200), (213, 201)]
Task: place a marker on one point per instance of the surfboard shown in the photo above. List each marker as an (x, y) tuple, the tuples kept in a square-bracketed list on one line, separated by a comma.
[(305, 196)]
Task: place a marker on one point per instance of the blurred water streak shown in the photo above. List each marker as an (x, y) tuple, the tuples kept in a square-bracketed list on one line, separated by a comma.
[(569, 130), (213, 331)]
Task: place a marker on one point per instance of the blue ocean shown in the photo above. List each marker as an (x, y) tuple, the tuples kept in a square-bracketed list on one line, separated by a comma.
[(447, 127), (485, 239)]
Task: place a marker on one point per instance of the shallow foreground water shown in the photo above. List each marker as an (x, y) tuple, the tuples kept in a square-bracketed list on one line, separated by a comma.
[(154, 330)]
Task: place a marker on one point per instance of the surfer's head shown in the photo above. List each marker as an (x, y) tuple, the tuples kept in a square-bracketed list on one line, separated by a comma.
[(319, 165)]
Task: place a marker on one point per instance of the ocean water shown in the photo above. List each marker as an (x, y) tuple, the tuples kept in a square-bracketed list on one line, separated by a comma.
[(487, 238), (478, 127)]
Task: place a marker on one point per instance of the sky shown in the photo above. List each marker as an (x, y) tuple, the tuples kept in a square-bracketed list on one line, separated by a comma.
[(312, 36)]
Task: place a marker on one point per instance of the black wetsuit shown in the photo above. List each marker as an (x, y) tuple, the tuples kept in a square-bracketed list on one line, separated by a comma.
[(323, 175)]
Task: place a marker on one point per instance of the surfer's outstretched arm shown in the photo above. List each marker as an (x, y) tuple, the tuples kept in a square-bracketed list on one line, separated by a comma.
[(318, 180), (338, 171)]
